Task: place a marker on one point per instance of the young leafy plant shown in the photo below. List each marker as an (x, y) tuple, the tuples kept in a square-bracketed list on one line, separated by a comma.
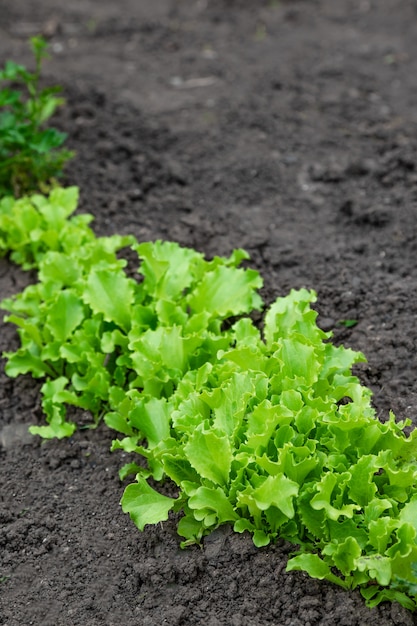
[(31, 156), (260, 439), (270, 432), (92, 331)]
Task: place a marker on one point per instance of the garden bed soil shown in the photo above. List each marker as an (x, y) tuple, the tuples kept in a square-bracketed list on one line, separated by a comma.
[(287, 128)]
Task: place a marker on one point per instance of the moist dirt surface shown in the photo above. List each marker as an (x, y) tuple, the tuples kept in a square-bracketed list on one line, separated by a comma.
[(287, 128)]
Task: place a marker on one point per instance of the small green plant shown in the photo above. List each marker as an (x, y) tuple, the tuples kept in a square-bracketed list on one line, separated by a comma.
[(347, 323), (92, 331), (5, 578), (31, 156)]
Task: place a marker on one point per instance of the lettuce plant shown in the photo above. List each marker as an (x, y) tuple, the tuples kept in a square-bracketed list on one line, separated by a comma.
[(92, 331), (260, 439)]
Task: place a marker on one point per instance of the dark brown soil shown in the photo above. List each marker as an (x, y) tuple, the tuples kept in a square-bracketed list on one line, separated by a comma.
[(288, 128)]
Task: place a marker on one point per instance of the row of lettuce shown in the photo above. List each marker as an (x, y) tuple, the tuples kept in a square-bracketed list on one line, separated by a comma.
[(267, 431)]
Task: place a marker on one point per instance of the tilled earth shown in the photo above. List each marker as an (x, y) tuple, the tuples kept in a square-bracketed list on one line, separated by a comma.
[(287, 128)]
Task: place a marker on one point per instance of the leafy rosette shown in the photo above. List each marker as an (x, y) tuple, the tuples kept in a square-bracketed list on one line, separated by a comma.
[(278, 438), (95, 333)]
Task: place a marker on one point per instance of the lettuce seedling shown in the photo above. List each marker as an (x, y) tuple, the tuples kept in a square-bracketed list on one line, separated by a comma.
[(94, 333), (31, 156), (259, 439)]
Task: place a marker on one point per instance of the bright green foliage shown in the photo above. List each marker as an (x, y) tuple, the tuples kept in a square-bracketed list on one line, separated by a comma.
[(262, 430), (30, 153), (93, 331), (33, 226), (270, 432), (143, 504), (59, 323)]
